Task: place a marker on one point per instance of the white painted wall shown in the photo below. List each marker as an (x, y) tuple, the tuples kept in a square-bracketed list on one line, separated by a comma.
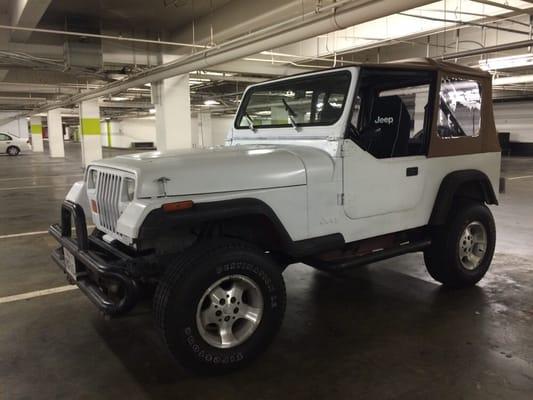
[(517, 118), (126, 131), (18, 127)]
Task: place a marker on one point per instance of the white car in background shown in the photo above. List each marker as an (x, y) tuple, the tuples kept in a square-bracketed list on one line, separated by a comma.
[(12, 145)]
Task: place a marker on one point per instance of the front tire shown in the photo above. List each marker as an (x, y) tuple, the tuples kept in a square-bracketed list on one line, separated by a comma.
[(462, 250), (13, 151), (220, 305)]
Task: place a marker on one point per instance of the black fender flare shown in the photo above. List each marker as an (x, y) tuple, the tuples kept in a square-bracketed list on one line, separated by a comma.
[(158, 222), (480, 189)]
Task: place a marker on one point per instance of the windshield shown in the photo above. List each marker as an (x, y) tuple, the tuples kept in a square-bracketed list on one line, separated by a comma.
[(306, 101)]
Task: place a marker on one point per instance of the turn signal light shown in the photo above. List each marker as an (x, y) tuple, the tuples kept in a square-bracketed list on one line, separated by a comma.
[(94, 206), (178, 206)]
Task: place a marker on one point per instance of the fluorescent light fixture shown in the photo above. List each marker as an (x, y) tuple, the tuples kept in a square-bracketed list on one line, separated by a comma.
[(213, 73), (148, 84), (512, 80), (152, 110), (198, 80), (211, 103), (492, 64), (117, 77), (136, 89), (119, 98)]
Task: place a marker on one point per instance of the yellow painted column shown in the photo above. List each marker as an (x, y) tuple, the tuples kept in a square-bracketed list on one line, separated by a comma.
[(91, 140), (36, 129)]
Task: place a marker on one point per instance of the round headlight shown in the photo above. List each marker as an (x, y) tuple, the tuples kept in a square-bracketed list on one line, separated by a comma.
[(91, 179), (128, 189)]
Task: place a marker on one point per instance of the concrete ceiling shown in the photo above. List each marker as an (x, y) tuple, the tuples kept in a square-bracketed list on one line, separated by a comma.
[(139, 14), (69, 65)]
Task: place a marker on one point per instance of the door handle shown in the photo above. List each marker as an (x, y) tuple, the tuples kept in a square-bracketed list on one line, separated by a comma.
[(411, 171)]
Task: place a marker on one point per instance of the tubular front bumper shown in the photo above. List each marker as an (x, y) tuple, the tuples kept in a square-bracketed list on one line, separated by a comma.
[(94, 272)]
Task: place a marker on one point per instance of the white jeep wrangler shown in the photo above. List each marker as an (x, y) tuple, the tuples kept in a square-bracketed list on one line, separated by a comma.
[(335, 169)]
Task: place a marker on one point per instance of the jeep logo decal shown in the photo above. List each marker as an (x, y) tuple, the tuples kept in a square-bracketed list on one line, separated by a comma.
[(384, 120)]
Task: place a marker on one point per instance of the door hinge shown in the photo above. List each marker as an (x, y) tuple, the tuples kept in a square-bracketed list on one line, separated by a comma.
[(340, 199)]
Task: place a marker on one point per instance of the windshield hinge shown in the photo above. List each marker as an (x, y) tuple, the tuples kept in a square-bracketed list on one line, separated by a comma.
[(340, 199)]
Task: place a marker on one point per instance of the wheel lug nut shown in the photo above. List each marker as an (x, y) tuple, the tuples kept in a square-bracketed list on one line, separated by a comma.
[(236, 310), (218, 313), (233, 299), (226, 319), (222, 302)]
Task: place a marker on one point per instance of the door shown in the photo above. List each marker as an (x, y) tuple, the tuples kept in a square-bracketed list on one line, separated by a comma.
[(384, 155), (380, 186), (5, 140)]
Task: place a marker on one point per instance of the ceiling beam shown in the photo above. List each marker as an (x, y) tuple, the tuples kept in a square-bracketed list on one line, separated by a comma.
[(26, 13)]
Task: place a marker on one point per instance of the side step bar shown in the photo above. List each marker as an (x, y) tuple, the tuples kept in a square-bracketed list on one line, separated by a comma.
[(374, 256)]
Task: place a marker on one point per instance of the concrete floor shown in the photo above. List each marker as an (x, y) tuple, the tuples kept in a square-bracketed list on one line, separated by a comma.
[(385, 331)]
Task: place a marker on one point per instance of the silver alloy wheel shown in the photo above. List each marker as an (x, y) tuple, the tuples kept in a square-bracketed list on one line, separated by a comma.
[(473, 245), (229, 311), (12, 151)]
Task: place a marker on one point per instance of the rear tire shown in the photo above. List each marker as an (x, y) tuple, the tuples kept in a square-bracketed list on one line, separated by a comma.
[(220, 305), (13, 151), (462, 250)]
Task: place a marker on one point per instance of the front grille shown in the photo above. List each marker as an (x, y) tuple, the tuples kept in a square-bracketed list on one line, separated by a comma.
[(108, 197)]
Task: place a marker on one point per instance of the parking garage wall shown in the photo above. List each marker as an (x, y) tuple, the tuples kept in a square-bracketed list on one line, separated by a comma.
[(18, 127), (123, 133), (517, 119)]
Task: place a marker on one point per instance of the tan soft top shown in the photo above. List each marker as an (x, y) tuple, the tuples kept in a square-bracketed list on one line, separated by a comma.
[(487, 139)]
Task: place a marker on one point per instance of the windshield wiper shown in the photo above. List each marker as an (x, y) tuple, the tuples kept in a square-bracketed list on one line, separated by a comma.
[(250, 121), (291, 114)]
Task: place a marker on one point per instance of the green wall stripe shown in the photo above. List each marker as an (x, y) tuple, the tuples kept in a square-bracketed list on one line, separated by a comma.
[(90, 126), (36, 129)]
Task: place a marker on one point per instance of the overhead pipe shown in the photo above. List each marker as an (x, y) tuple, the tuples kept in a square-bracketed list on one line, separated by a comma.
[(325, 19), (485, 50), (100, 36)]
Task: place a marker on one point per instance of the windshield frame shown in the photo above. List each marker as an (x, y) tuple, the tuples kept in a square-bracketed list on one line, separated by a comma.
[(251, 89)]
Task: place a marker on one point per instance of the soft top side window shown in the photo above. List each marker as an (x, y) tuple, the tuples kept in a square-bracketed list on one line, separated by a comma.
[(459, 108), (391, 115)]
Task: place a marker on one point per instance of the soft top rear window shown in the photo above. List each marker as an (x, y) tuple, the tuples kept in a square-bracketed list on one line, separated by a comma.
[(306, 101)]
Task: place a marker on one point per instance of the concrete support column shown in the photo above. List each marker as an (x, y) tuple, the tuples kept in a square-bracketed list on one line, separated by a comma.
[(36, 129), (173, 113), (55, 134), (91, 140), (205, 131), (22, 128), (109, 141)]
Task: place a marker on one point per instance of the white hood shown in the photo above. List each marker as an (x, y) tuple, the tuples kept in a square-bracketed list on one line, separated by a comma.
[(221, 169)]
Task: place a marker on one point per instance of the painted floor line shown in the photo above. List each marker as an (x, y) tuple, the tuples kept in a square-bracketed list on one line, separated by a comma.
[(520, 177), (37, 293), (15, 235), (34, 187), (40, 177)]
